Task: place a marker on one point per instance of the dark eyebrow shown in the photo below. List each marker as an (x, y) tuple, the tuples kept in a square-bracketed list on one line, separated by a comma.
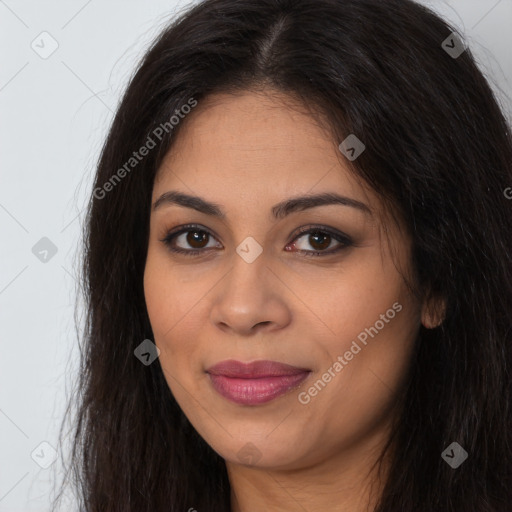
[(279, 210)]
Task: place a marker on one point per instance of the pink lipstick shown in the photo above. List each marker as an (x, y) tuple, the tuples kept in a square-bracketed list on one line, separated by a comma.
[(255, 383)]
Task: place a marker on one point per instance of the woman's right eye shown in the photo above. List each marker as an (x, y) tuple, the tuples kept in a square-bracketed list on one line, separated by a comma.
[(195, 236)]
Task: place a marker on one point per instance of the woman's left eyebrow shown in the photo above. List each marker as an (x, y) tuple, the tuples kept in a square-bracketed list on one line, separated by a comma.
[(279, 211)]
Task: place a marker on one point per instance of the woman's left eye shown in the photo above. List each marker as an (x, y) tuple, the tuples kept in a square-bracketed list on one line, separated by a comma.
[(320, 238)]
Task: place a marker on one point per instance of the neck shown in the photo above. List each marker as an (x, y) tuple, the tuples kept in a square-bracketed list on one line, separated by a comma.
[(348, 480)]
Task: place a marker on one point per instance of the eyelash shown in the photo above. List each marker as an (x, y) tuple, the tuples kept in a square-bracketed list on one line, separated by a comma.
[(343, 239)]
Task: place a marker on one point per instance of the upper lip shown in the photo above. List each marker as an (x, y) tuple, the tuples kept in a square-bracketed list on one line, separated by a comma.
[(254, 370)]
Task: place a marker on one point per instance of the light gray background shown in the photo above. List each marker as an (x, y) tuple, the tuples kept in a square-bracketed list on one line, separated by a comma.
[(54, 115)]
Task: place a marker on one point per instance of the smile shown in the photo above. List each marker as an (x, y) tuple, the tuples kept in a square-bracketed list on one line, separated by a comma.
[(255, 383)]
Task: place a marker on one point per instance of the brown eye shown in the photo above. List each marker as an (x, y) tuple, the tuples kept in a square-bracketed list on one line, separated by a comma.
[(189, 240), (196, 239), (320, 240)]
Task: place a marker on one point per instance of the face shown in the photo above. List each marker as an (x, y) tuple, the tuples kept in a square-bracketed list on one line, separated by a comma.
[(314, 285)]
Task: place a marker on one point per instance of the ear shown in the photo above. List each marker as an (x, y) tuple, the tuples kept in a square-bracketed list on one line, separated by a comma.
[(433, 312)]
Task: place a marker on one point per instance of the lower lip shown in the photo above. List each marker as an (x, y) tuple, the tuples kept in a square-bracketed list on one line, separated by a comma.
[(255, 391)]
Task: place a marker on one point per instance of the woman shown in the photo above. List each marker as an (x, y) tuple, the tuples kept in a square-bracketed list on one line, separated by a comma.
[(298, 270)]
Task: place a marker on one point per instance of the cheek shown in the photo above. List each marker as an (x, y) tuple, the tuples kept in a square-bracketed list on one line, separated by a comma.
[(367, 295), (174, 307), (368, 378), (380, 353), (375, 320), (166, 298), (163, 307), (158, 298)]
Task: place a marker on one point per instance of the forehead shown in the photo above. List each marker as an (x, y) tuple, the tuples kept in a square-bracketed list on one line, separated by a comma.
[(256, 146)]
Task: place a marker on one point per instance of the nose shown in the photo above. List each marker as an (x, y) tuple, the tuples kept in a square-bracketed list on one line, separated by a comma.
[(250, 298)]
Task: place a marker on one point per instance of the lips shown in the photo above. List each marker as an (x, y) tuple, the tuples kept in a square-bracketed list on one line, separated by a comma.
[(254, 370), (255, 383)]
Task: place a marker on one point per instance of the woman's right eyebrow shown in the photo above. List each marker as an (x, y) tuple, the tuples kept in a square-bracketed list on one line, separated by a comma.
[(279, 211)]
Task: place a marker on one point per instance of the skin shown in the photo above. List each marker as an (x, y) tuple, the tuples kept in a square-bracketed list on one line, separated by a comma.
[(247, 152)]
